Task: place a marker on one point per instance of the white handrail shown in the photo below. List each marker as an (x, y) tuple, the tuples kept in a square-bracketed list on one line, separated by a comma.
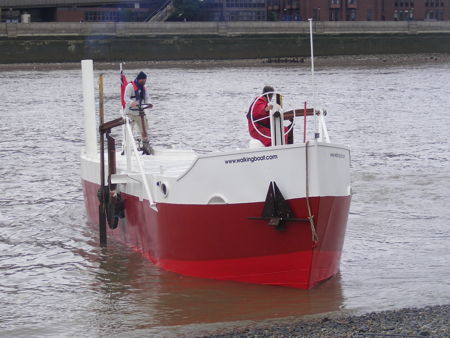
[(125, 145), (130, 140), (324, 130)]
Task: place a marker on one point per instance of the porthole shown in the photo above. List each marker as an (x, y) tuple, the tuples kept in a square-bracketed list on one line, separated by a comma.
[(163, 188)]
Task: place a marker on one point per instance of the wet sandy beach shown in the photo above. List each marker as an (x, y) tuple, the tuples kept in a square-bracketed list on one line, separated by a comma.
[(320, 61), (430, 321)]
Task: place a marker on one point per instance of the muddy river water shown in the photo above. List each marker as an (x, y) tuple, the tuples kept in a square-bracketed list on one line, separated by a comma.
[(56, 281)]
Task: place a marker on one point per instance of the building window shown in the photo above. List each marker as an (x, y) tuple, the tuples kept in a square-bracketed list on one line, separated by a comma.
[(245, 3), (246, 16), (101, 16), (369, 14), (434, 15), (316, 14), (403, 15), (351, 14), (213, 4), (334, 14), (434, 3)]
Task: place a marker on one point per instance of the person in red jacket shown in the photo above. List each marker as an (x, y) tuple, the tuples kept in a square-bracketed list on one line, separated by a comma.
[(261, 109), (135, 94)]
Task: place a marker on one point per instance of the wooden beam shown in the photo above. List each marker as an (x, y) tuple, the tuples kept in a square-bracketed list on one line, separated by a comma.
[(298, 112)]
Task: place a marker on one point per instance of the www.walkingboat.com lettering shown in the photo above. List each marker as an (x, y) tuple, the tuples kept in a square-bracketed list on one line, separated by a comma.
[(252, 159)]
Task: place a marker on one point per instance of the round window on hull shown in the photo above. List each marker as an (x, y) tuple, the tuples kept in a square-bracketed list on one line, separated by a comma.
[(216, 199), (163, 188)]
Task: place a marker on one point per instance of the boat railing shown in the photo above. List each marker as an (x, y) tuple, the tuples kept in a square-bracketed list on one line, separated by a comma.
[(323, 131), (130, 148)]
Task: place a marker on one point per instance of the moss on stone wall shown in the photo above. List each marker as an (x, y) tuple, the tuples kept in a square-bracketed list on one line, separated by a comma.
[(174, 47)]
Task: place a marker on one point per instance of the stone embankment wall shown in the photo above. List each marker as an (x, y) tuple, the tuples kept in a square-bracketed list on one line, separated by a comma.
[(70, 42)]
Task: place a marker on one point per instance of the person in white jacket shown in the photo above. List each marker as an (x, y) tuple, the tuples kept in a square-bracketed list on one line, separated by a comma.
[(136, 95)]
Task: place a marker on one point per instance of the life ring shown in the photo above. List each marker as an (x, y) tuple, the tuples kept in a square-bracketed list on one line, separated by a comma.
[(276, 106)]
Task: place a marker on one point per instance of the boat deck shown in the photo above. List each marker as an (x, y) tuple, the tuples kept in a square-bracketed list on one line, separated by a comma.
[(167, 162)]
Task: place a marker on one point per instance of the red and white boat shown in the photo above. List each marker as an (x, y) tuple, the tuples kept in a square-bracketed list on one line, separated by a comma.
[(270, 215)]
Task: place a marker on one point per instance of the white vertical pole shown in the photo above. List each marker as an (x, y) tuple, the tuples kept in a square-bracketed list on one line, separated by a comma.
[(127, 141), (276, 126), (316, 131), (90, 130), (324, 128)]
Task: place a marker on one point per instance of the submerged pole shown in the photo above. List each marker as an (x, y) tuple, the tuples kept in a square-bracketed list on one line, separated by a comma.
[(87, 69)]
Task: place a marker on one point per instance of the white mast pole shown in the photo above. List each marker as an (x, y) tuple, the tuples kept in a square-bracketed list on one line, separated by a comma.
[(316, 131), (125, 139), (90, 130)]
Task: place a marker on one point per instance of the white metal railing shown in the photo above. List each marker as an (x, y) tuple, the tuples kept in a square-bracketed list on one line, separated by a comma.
[(323, 131), (129, 142)]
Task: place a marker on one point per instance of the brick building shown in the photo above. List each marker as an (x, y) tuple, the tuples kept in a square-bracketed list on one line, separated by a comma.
[(79, 10), (229, 10), (358, 10), (234, 10), (418, 10)]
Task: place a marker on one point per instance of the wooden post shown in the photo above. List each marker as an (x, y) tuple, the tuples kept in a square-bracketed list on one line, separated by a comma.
[(101, 208)]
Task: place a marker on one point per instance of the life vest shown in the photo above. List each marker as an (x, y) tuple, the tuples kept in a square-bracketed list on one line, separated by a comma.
[(134, 86), (138, 94), (264, 123), (123, 85)]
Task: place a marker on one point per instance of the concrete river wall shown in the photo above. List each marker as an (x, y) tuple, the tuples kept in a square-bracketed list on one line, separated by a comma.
[(71, 42)]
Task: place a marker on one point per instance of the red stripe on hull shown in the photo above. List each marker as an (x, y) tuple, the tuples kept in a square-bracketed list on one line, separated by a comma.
[(220, 242)]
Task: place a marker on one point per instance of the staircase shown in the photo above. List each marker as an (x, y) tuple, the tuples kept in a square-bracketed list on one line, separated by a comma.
[(162, 13)]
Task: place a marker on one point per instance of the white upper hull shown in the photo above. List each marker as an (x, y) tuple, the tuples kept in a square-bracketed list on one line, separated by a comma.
[(241, 176)]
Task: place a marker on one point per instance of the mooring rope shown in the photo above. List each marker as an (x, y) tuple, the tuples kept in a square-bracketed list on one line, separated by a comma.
[(314, 236)]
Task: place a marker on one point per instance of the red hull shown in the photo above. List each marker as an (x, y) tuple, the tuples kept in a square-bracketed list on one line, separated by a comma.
[(220, 242)]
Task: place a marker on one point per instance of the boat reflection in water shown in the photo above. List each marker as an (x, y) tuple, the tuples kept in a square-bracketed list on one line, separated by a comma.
[(129, 286)]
